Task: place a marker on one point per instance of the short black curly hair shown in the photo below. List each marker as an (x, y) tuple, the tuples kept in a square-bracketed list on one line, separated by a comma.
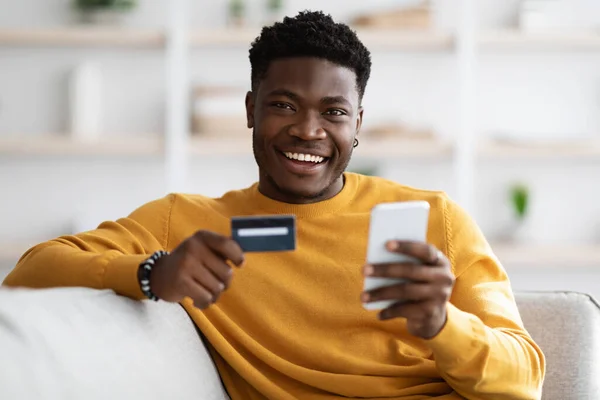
[(310, 34)]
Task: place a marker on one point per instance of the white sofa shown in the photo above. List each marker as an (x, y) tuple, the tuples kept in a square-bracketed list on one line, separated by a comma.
[(77, 343)]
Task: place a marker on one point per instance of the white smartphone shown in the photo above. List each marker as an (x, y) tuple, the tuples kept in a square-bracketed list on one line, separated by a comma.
[(393, 221)]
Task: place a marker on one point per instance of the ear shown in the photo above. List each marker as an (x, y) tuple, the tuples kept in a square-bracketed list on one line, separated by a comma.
[(359, 119), (250, 110)]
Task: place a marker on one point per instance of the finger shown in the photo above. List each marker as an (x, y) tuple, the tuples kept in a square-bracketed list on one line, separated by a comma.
[(408, 271), (218, 267), (403, 291), (224, 246), (424, 252), (199, 294), (417, 311), (205, 278)]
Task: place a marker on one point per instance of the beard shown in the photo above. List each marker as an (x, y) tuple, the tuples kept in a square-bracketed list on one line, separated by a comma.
[(260, 157)]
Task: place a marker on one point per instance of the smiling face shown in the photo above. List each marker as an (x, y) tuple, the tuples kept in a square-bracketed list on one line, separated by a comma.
[(305, 115)]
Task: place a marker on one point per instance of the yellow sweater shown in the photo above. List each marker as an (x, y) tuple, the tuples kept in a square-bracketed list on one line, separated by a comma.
[(292, 326)]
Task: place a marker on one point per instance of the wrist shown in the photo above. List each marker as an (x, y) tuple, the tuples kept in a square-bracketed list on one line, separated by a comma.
[(145, 272)]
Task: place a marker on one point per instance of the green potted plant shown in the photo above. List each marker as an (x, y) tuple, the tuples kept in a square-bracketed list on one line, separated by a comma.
[(105, 12), (237, 10), (519, 196)]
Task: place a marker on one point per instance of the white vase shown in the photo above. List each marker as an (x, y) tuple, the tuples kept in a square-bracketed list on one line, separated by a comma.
[(103, 17), (85, 102), (521, 231)]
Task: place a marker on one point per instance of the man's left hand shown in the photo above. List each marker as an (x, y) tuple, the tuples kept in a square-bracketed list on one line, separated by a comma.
[(423, 298)]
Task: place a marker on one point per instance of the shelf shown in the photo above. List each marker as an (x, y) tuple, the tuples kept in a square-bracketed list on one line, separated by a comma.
[(372, 38), (65, 146), (406, 40), (83, 37), (508, 150), (519, 40), (548, 256), (238, 145), (235, 145), (223, 37), (404, 148)]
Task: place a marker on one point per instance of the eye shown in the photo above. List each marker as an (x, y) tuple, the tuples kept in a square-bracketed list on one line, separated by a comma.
[(336, 112), (283, 106)]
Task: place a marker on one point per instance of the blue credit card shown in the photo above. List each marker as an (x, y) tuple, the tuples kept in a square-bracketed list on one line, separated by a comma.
[(264, 233)]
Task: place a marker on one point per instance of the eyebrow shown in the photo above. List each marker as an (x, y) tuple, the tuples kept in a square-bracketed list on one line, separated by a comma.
[(285, 93), (328, 100), (335, 100)]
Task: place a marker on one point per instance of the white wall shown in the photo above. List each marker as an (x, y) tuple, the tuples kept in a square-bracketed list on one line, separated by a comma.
[(538, 93)]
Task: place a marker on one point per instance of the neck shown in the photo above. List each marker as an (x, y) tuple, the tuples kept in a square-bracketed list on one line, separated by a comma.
[(270, 189), (269, 205)]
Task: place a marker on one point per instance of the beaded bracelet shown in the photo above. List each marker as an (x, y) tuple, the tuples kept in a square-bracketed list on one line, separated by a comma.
[(144, 273)]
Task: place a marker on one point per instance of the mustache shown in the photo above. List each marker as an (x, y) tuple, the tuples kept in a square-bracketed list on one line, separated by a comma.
[(304, 144)]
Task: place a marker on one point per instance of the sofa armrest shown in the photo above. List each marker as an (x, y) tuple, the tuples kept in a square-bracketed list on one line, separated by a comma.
[(76, 343), (566, 325)]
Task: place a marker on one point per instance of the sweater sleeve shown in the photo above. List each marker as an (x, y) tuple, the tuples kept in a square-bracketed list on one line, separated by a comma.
[(483, 351), (105, 258)]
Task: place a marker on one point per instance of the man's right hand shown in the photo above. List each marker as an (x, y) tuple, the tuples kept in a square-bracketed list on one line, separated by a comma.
[(197, 268)]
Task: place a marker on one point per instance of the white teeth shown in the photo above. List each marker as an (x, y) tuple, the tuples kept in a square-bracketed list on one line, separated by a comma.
[(304, 157)]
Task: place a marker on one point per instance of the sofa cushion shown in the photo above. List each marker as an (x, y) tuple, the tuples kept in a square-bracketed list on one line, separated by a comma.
[(76, 343), (566, 326)]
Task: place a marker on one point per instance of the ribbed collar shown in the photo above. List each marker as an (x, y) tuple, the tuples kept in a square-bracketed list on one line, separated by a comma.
[(337, 202)]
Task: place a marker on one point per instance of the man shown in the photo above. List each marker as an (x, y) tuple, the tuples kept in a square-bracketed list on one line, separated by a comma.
[(291, 325)]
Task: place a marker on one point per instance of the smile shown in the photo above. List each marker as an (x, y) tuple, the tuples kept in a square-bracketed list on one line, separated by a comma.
[(304, 157)]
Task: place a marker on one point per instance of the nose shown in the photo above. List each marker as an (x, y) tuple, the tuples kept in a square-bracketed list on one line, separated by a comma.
[(308, 127)]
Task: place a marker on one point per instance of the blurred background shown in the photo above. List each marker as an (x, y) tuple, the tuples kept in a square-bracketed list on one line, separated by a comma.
[(106, 105)]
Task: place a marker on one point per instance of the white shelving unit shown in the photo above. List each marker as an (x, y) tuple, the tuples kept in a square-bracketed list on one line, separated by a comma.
[(177, 146)]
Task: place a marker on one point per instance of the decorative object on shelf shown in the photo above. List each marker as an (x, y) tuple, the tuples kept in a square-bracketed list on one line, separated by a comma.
[(85, 102), (559, 15), (519, 197), (417, 17), (218, 111), (236, 13), (104, 12), (274, 11), (533, 15)]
